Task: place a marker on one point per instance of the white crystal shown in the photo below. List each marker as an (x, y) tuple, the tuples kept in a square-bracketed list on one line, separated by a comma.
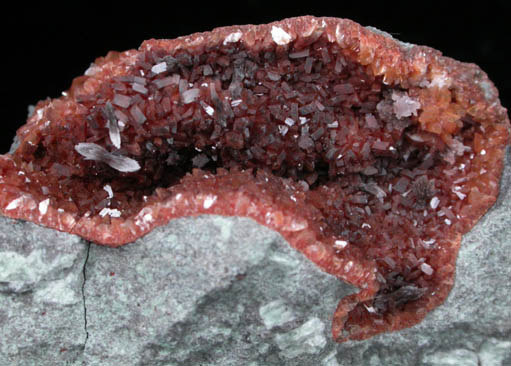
[(190, 95), (112, 212), (370, 309), (288, 121), (14, 203), (159, 68), (108, 190), (114, 133), (236, 102), (233, 37), (428, 243), (348, 266), (340, 244), (280, 36), (434, 202), (459, 194), (208, 201), (209, 109), (43, 206), (283, 130), (426, 268), (92, 151)]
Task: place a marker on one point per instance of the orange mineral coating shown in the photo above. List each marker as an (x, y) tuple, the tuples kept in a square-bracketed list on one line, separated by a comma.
[(370, 156)]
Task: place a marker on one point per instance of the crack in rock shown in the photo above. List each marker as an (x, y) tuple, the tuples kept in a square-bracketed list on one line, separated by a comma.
[(84, 272)]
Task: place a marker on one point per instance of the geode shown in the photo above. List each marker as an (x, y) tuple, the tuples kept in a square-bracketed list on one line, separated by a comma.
[(370, 156)]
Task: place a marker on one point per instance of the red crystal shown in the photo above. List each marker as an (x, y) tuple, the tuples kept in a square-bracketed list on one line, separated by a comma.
[(370, 156)]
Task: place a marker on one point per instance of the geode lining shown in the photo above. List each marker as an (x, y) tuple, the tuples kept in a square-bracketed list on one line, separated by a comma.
[(370, 156)]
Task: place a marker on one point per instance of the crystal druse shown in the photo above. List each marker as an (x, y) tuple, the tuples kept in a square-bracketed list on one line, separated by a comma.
[(370, 156)]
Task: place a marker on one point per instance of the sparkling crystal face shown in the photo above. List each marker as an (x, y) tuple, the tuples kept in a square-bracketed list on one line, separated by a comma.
[(371, 180)]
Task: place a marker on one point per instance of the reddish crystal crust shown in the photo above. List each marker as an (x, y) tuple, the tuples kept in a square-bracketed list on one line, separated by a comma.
[(370, 156)]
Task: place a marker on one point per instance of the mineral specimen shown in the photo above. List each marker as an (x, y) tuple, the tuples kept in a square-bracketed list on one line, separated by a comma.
[(370, 156)]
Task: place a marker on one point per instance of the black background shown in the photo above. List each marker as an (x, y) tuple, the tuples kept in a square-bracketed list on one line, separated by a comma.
[(45, 46)]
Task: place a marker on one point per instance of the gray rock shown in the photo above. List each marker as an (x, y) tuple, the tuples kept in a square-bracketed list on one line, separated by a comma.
[(222, 291), (225, 291), (41, 302)]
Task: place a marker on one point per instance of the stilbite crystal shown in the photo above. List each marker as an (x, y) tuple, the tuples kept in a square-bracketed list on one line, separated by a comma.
[(369, 156)]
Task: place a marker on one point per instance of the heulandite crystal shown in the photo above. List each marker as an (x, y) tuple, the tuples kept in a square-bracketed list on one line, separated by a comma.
[(370, 156)]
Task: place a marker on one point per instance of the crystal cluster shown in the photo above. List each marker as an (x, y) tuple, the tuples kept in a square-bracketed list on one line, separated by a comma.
[(370, 156)]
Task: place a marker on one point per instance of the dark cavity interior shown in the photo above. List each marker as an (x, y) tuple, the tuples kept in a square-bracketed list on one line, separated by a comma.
[(310, 115)]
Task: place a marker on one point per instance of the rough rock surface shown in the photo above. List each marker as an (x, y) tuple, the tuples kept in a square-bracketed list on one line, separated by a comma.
[(226, 291), (41, 302), (222, 291)]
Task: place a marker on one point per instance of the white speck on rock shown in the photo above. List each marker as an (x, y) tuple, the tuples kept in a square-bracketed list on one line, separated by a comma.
[(453, 357), (275, 313), (14, 203), (340, 244), (308, 338), (280, 36), (144, 217), (112, 212), (109, 190), (43, 206), (209, 201), (232, 38), (348, 266), (334, 124), (370, 309)]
